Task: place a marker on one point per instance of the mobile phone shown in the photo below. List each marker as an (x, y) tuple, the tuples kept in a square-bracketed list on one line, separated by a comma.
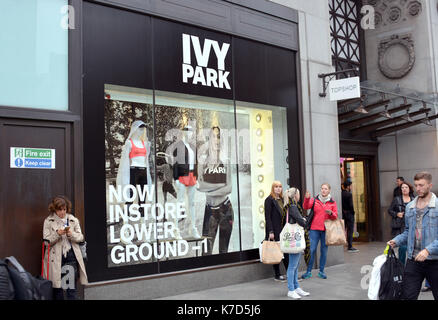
[(67, 228)]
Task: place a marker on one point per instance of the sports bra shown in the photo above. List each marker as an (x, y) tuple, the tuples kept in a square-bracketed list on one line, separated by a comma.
[(136, 151)]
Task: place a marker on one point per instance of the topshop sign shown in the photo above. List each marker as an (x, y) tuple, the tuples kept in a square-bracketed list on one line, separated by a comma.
[(197, 72)]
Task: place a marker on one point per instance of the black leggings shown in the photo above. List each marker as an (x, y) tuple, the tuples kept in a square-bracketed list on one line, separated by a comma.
[(137, 176), (221, 217)]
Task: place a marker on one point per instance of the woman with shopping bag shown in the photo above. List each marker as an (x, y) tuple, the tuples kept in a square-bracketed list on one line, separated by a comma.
[(294, 240), (275, 219), (324, 207)]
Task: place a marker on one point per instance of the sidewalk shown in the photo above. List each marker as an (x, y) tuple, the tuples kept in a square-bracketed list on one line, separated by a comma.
[(343, 282)]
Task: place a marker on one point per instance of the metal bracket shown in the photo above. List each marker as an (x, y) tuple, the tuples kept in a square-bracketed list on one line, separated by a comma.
[(331, 76)]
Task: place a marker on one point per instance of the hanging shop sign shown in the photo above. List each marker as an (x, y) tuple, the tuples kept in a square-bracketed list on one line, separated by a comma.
[(342, 89), (32, 158)]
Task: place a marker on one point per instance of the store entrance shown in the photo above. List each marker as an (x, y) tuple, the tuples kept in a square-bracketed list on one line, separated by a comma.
[(357, 170)]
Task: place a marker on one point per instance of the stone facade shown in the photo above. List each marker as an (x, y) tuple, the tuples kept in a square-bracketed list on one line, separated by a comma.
[(321, 136), (410, 60)]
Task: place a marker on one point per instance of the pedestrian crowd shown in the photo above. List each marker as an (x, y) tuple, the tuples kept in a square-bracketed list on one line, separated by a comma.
[(414, 230)]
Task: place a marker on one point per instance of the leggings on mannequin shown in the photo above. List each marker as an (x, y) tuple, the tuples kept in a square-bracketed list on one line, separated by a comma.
[(218, 218), (181, 191), (138, 176)]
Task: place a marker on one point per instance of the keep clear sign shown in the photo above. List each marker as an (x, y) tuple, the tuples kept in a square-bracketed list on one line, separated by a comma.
[(32, 158)]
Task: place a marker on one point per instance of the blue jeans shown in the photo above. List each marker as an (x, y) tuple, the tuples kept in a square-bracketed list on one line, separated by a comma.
[(292, 271), (316, 236)]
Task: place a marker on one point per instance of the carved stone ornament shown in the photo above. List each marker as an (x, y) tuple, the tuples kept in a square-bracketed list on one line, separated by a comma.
[(396, 56), (414, 8)]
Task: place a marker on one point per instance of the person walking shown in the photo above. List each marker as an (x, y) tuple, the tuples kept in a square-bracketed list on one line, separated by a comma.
[(295, 215), (324, 207), (421, 237), (275, 218), (63, 232), (397, 190), (397, 212), (348, 214)]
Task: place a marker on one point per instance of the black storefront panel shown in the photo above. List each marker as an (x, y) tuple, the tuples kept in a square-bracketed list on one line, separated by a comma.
[(169, 75), (192, 60), (116, 50)]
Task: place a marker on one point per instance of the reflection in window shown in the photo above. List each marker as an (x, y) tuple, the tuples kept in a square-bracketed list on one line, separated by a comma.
[(263, 159), (34, 55), (182, 171)]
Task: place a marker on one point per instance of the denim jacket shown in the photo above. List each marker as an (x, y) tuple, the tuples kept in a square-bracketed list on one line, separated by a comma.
[(429, 228)]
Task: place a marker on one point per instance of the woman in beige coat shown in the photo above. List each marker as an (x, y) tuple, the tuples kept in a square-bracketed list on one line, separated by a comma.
[(64, 233)]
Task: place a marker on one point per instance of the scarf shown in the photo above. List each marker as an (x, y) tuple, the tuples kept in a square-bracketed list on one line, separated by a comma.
[(65, 243), (324, 199)]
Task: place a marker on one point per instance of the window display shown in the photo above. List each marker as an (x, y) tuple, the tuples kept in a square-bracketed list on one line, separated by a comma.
[(182, 171)]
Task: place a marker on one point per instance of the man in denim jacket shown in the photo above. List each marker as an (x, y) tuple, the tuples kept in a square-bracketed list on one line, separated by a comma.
[(421, 236)]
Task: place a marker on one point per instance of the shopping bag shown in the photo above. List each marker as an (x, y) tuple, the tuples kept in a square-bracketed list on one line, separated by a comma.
[(391, 278), (374, 286), (271, 253), (292, 238), (335, 232)]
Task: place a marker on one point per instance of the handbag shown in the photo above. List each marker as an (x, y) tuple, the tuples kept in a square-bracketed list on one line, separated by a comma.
[(292, 238), (310, 215), (271, 253), (391, 278), (335, 232)]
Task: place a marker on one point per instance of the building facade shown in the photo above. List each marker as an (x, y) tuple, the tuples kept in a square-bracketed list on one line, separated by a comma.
[(166, 123)]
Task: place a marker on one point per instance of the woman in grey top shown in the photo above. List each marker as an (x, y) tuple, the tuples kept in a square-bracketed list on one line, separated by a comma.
[(214, 178)]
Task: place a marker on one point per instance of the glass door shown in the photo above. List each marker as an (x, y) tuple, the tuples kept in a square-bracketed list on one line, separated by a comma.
[(354, 170)]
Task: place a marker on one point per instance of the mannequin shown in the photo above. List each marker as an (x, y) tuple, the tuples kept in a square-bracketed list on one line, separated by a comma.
[(185, 173), (134, 167), (215, 180)]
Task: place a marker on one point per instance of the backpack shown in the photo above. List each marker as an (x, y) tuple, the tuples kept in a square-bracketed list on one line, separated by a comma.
[(391, 278), (7, 291), (26, 286)]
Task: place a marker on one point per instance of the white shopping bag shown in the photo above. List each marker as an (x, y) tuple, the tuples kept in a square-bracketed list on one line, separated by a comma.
[(373, 289)]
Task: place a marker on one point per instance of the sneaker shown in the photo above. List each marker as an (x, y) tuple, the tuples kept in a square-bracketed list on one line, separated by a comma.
[(293, 295), (301, 292), (306, 275), (426, 289), (280, 278), (322, 275), (353, 250)]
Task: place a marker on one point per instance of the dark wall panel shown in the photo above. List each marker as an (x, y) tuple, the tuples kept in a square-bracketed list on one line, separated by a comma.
[(117, 50), (168, 59), (25, 193)]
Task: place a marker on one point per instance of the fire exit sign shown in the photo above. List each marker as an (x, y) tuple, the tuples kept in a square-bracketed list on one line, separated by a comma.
[(32, 158)]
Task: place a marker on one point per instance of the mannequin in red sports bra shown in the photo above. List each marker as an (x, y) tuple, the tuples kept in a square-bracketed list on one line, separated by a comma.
[(134, 167)]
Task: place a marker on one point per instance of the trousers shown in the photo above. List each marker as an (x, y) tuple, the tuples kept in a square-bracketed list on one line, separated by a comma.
[(415, 273), (315, 237)]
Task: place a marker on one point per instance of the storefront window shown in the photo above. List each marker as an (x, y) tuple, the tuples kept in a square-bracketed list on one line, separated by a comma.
[(263, 148), (130, 176), (182, 171), (34, 54)]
